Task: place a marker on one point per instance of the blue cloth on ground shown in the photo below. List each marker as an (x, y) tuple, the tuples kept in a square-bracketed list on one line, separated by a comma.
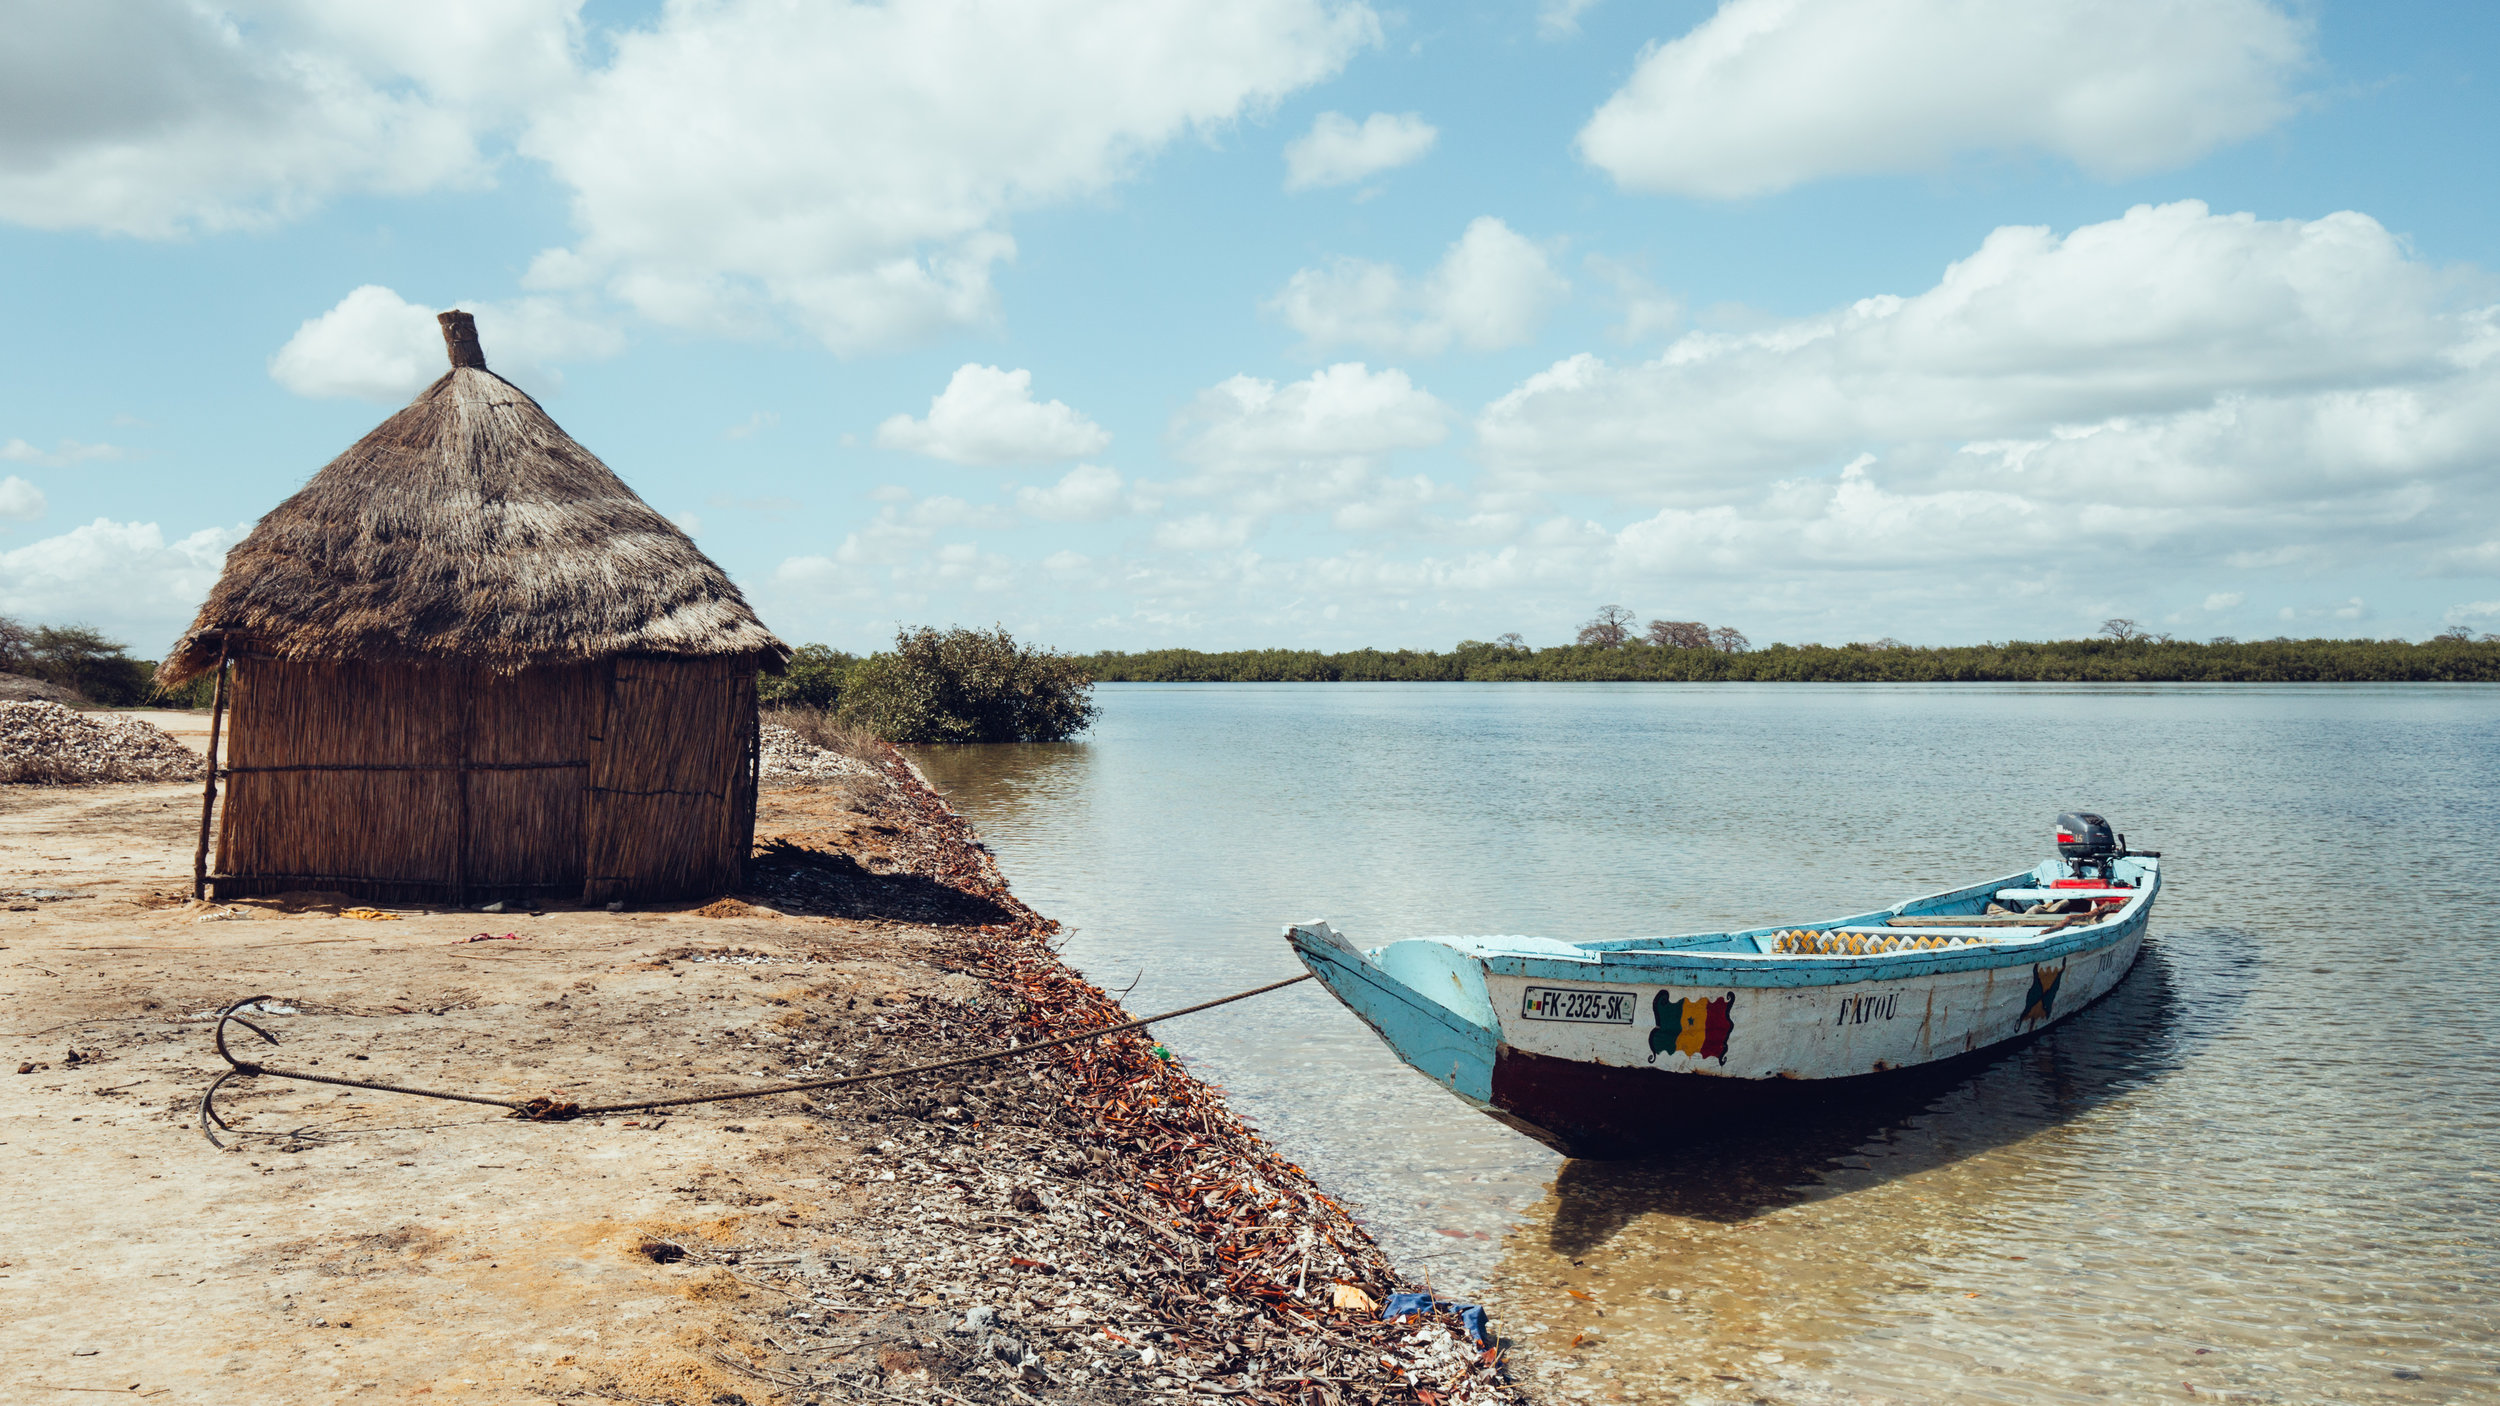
[(1470, 1316)]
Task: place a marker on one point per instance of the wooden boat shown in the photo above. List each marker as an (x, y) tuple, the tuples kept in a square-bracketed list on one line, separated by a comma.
[(1612, 1049)]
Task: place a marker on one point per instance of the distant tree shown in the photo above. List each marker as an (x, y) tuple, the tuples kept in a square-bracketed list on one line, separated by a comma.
[(1888, 642), (1610, 628), (17, 647), (1679, 634), (2121, 629), (1510, 641), (2454, 634), (2224, 639), (76, 658), (1727, 639)]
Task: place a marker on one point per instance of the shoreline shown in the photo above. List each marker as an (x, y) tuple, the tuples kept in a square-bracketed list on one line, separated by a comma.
[(1090, 1222)]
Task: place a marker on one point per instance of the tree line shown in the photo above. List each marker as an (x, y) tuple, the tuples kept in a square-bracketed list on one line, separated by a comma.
[(2142, 659)]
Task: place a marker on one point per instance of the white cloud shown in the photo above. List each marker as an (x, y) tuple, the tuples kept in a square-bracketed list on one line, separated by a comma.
[(988, 416), (853, 167), (1338, 151), (122, 577), (157, 117), (2485, 612), (1491, 290), (1560, 19), (752, 426), (1310, 445), (1086, 493), (2192, 356), (67, 452), (1768, 94), (20, 501), (376, 345), (2226, 600), (1346, 411)]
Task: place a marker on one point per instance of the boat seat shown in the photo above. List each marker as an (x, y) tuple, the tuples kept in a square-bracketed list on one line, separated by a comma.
[(2044, 895)]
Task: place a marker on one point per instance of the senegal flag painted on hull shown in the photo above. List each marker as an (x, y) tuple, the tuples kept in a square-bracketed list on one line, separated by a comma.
[(1696, 1026)]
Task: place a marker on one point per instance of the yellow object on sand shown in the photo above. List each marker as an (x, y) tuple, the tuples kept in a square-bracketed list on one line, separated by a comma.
[(370, 915), (1346, 1296)]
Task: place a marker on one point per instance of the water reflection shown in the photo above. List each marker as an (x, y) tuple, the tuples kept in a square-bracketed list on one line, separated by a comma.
[(1915, 1123), (2263, 1166)]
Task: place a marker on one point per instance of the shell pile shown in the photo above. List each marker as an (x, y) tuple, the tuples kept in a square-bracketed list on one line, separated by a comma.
[(788, 756), (45, 744)]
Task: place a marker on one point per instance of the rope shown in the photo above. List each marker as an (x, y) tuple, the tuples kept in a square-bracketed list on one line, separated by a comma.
[(551, 1110)]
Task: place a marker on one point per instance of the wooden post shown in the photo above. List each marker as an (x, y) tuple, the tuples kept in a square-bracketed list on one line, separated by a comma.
[(208, 790)]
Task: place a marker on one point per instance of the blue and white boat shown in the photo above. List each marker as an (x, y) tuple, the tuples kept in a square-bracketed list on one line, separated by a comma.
[(1612, 1049)]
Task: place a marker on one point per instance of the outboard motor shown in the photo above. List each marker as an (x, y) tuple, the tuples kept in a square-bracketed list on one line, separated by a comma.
[(2089, 846)]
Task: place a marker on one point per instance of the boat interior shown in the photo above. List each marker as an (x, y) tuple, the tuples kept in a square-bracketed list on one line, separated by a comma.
[(2017, 909)]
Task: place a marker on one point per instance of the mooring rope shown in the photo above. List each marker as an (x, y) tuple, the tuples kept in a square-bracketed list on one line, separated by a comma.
[(553, 1111)]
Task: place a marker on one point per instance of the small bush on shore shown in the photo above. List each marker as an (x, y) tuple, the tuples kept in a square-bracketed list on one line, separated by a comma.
[(964, 685), (812, 680)]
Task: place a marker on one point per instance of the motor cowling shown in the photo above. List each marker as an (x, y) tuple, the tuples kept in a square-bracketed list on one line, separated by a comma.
[(2083, 837)]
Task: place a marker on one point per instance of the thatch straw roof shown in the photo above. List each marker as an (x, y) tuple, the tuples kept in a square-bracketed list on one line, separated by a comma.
[(468, 527)]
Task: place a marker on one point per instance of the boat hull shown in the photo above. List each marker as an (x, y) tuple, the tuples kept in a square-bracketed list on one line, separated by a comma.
[(1617, 1049), (1582, 1108)]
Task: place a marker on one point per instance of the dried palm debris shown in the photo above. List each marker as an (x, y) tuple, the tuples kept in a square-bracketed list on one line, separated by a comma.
[(1096, 1225)]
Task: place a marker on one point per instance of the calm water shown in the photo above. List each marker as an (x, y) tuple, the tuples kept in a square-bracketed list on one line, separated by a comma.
[(2265, 1169)]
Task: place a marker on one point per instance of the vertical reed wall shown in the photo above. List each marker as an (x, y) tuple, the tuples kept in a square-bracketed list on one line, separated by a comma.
[(630, 778)]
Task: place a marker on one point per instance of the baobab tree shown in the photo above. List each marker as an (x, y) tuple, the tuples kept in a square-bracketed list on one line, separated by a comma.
[(1679, 634), (1610, 628)]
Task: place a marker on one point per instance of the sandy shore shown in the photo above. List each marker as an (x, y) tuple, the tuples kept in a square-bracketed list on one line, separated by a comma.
[(1089, 1223)]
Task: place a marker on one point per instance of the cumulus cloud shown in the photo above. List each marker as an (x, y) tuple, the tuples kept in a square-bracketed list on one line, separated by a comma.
[(1346, 411), (122, 577), (1339, 151), (68, 451), (1560, 19), (988, 416), (1769, 94), (1086, 493), (20, 501), (852, 167), (2185, 344), (159, 117), (1312, 444), (376, 345), (1491, 290)]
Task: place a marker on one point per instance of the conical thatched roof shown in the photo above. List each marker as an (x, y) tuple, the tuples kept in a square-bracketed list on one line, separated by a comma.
[(468, 527)]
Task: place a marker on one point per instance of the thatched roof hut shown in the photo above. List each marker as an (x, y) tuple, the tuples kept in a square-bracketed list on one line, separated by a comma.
[(468, 662)]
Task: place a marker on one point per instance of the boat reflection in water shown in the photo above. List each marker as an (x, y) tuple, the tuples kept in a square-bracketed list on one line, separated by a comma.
[(1678, 1273)]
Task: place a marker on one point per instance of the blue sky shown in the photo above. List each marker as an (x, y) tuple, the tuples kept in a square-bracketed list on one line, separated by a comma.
[(1301, 322)]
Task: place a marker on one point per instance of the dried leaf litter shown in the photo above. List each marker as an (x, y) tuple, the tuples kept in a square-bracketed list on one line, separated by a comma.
[(1095, 1223)]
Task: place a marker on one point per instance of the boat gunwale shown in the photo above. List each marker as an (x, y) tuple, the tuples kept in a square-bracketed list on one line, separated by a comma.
[(1687, 967)]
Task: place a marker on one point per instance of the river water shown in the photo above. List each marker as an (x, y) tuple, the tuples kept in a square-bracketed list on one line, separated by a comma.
[(2266, 1169)]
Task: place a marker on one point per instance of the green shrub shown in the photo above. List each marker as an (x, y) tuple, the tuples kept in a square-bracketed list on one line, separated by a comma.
[(963, 685), (813, 680)]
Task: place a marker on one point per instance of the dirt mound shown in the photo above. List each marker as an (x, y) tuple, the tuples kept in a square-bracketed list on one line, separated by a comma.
[(17, 688), (45, 744)]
